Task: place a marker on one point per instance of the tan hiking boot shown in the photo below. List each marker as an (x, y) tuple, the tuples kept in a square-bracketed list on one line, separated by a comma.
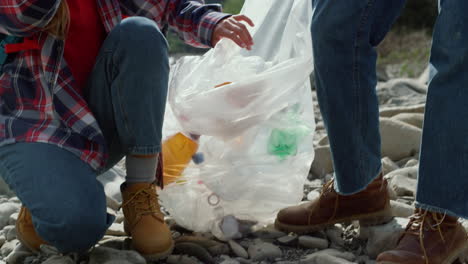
[(430, 238), (370, 207), (144, 221), (25, 231)]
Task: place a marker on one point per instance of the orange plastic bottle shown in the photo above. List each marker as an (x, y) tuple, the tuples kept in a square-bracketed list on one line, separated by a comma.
[(178, 151)]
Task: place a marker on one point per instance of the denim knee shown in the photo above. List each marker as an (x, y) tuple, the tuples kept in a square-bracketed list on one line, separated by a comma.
[(77, 228), (139, 35)]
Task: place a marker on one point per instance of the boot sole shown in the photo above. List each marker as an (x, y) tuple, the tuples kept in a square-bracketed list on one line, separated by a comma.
[(159, 256), (450, 259), (380, 217)]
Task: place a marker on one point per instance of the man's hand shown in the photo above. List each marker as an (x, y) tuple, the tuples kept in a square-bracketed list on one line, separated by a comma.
[(233, 29)]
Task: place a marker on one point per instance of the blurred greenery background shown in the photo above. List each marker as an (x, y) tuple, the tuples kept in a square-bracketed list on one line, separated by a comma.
[(403, 53)]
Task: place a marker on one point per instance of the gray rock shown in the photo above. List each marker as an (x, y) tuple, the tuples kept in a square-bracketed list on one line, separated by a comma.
[(400, 209), (120, 243), (399, 140), (103, 255), (402, 185), (18, 255), (195, 250), (324, 141), (335, 235), (230, 261), (48, 251), (268, 233), (264, 251), (393, 111), (313, 242), (287, 240), (388, 165), (178, 259), (230, 227), (238, 249), (2, 240), (13, 218), (411, 163), (409, 172), (382, 237), (322, 164), (220, 249), (5, 189), (10, 232), (244, 261), (313, 195), (328, 256), (116, 230), (8, 247), (414, 119), (59, 260), (6, 210)]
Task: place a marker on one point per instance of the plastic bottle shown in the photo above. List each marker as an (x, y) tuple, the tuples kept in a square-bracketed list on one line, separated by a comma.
[(178, 151)]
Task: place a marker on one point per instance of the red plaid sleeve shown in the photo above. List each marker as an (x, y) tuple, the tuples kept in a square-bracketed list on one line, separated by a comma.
[(192, 20), (25, 17)]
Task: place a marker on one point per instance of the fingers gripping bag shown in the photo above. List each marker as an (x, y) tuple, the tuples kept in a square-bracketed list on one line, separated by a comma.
[(252, 114)]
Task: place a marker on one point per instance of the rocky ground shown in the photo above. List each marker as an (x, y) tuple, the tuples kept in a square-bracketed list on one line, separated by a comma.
[(402, 112)]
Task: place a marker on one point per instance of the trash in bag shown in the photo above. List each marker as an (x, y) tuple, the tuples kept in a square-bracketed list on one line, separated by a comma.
[(253, 111)]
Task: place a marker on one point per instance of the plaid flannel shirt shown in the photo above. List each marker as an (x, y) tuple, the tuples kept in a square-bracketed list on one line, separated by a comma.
[(37, 99)]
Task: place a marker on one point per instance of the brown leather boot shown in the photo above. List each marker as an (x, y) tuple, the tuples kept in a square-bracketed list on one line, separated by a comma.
[(25, 231), (144, 221), (430, 238), (371, 207)]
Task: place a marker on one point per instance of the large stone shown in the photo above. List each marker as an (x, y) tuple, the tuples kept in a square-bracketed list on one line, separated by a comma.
[(399, 140), (383, 237), (195, 250), (8, 247), (414, 119), (6, 210), (182, 259), (322, 164), (18, 255), (264, 251), (393, 111), (401, 91), (103, 255), (328, 256)]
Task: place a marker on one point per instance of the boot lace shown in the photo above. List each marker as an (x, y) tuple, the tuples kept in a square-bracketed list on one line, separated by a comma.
[(145, 202), (422, 221)]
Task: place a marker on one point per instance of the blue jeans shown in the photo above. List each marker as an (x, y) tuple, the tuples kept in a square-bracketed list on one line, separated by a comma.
[(345, 34), (127, 93)]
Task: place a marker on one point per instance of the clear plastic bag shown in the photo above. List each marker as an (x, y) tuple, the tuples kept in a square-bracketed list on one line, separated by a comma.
[(254, 112)]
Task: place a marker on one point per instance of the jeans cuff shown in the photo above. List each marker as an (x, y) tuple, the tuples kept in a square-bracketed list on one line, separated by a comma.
[(379, 171), (145, 150), (438, 210)]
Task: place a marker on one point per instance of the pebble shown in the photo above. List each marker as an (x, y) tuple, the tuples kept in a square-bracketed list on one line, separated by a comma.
[(238, 249), (335, 235), (415, 119), (59, 260), (269, 233), (2, 240), (230, 261), (13, 218), (328, 256), (313, 195), (116, 230), (313, 242), (388, 165), (403, 186), (18, 255), (194, 250), (10, 232), (6, 210), (8, 247), (400, 209), (264, 251), (382, 237), (399, 140), (230, 227), (104, 255), (182, 259), (287, 240), (322, 164)]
